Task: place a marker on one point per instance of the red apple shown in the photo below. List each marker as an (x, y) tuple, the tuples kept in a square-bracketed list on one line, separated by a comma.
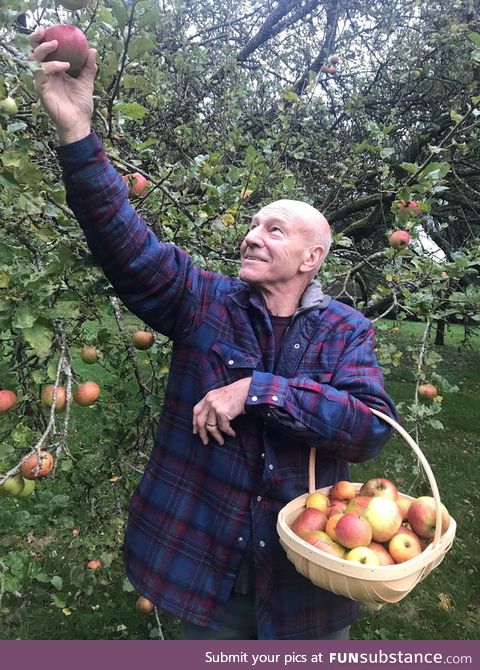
[(408, 207), (37, 465), (321, 541), (8, 400), (379, 486), (384, 517), (404, 504), (88, 354), (363, 555), (422, 517), (137, 184), (336, 507), (72, 46), (383, 556), (143, 340), (94, 564), (75, 532), (328, 69), (308, 520), (404, 545), (358, 504), (331, 525), (427, 391), (86, 394), (144, 605), (319, 500), (399, 239), (342, 490), (353, 531), (46, 397)]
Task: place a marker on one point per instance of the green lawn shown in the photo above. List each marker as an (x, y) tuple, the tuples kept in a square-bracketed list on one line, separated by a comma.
[(59, 599)]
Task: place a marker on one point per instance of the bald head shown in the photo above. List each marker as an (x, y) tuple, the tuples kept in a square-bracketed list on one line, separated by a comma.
[(312, 224)]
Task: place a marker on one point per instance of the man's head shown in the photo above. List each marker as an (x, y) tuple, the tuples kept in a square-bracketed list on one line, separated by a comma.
[(287, 242)]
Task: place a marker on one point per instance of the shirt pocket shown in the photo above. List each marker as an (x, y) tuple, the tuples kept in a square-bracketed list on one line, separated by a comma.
[(226, 364)]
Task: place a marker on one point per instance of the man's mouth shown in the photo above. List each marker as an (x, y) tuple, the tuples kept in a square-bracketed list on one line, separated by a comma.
[(250, 257)]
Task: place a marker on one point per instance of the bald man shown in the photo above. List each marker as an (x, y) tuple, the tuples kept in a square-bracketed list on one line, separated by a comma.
[(264, 367)]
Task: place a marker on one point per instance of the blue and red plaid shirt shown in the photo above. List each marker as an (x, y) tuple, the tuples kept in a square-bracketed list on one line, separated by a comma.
[(197, 507)]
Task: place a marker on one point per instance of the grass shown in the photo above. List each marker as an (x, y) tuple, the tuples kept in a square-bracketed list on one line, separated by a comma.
[(59, 599)]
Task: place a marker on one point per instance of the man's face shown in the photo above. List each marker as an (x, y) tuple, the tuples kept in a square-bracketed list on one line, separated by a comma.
[(273, 249)]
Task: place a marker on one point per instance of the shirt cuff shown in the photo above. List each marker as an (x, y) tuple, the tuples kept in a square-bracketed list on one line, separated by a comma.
[(266, 389)]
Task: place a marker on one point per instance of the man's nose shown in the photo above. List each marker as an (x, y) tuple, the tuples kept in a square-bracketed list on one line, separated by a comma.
[(254, 236)]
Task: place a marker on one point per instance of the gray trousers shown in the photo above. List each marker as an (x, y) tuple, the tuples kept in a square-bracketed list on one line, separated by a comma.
[(240, 624)]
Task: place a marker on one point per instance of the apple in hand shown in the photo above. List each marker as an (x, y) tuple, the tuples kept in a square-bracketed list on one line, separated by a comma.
[(363, 555), (72, 46), (399, 239), (342, 490), (309, 519), (137, 184), (384, 517), (422, 517), (427, 391), (8, 400), (383, 556), (404, 545), (353, 531), (86, 394), (379, 486), (143, 340), (318, 500)]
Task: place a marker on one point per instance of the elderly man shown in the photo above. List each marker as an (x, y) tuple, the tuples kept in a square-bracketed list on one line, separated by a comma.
[(264, 367)]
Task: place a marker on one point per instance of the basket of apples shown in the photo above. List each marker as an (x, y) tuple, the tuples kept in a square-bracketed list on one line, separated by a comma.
[(367, 541)]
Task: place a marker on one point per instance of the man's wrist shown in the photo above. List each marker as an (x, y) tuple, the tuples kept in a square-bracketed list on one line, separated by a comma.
[(70, 136)]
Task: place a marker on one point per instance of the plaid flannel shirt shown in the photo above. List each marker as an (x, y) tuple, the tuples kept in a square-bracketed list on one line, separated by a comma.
[(196, 507)]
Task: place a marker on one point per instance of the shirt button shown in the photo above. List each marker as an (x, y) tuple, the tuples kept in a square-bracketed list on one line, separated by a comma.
[(263, 455), (274, 398), (240, 539), (296, 346), (269, 415), (270, 466), (254, 398), (261, 543), (259, 498), (231, 362)]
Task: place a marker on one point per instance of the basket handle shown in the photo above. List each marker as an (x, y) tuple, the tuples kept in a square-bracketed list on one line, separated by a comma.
[(418, 453)]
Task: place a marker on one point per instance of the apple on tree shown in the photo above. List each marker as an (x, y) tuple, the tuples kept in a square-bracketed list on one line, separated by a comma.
[(86, 394), (8, 106), (144, 605), (13, 486), (399, 239), (94, 564), (143, 340), (89, 354), (427, 391), (46, 397), (8, 400), (137, 184), (72, 46), (37, 465)]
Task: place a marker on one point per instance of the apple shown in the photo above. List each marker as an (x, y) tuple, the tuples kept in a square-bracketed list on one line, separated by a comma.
[(74, 4), (363, 555), (94, 564), (137, 184), (353, 531), (88, 354), (336, 507), (144, 605), (86, 394), (404, 545), (328, 69), (334, 59), (28, 488), (322, 541), (427, 391), (379, 486), (8, 400), (422, 517), (13, 486), (46, 397), (75, 532), (37, 465), (342, 490), (358, 504), (142, 339), (72, 46), (383, 556), (309, 519), (404, 504), (409, 207), (384, 517), (8, 106), (331, 525), (399, 239), (318, 500)]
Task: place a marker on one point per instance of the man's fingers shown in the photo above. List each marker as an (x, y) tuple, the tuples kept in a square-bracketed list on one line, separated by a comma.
[(36, 38), (41, 51)]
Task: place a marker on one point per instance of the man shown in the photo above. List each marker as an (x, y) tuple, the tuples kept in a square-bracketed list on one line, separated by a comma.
[(263, 368)]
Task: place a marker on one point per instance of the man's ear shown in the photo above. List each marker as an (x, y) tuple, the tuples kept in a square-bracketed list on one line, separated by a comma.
[(312, 258)]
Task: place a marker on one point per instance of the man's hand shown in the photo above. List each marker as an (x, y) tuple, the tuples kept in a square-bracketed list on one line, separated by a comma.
[(212, 415), (67, 100)]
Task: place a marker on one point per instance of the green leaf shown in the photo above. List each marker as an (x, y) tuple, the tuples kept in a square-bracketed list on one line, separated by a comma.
[(475, 38), (59, 600), (140, 46), (56, 582), (386, 152), (131, 110), (39, 337)]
